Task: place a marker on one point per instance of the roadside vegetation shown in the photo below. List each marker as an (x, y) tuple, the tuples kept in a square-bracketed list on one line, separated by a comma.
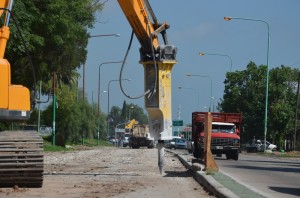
[(245, 92), (85, 144), (289, 154)]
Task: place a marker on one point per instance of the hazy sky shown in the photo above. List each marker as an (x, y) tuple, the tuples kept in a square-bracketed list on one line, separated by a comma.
[(195, 26)]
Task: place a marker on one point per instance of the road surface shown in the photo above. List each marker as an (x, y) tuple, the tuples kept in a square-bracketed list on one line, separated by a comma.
[(111, 172), (273, 176)]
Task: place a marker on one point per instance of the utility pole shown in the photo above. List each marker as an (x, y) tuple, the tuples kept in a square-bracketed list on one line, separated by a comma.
[(296, 114), (54, 108)]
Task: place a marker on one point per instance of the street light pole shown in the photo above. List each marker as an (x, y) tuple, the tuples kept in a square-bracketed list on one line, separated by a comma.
[(267, 72), (111, 62), (108, 101), (101, 35), (202, 54), (99, 68), (83, 72), (211, 97), (129, 113)]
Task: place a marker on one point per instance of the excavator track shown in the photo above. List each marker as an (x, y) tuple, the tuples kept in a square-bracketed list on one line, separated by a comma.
[(21, 159)]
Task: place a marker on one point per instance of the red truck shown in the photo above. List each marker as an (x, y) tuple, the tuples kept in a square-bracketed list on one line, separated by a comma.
[(225, 134)]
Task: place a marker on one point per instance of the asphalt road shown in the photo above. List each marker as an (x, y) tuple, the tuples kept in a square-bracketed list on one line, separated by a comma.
[(271, 176)]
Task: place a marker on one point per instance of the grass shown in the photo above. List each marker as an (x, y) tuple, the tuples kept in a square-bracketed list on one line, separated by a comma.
[(282, 154), (87, 143), (287, 154), (210, 172), (49, 147)]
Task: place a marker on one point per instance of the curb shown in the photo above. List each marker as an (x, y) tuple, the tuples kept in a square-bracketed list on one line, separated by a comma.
[(207, 181)]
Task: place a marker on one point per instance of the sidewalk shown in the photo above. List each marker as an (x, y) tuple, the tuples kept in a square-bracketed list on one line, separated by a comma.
[(218, 183)]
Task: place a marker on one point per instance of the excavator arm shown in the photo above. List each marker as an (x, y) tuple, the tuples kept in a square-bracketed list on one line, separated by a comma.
[(158, 61)]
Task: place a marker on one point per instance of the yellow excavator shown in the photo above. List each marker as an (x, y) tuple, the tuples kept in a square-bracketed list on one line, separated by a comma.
[(158, 61), (21, 152)]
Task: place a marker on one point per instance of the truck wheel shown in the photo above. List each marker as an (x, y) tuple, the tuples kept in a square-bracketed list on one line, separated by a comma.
[(235, 155), (190, 147), (228, 156), (197, 153)]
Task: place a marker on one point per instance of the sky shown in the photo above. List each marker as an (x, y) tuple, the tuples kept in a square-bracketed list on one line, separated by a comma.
[(195, 26)]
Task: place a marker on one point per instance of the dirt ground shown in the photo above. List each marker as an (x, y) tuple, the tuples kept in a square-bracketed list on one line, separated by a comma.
[(111, 172)]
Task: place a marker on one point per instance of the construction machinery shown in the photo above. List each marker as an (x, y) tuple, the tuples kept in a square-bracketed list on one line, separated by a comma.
[(158, 61), (139, 135), (21, 152)]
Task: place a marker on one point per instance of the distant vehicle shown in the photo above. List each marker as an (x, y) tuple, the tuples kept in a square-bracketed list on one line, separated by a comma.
[(271, 146), (176, 143), (258, 145), (125, 140), (180, 144), (139, 135)]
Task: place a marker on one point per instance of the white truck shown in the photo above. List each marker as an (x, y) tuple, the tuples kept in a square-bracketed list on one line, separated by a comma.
[(139, 135)]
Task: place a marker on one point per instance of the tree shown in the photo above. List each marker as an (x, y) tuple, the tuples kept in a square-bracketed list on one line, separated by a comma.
[(74, 118), (120, 116), (245, 92), (55, 34), (137, 113), (282, 100)]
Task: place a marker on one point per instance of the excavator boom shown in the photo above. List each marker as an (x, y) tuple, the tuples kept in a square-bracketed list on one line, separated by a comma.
[(137, 15)]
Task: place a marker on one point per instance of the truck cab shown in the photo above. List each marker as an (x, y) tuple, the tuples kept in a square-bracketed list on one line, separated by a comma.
[(225, 134)]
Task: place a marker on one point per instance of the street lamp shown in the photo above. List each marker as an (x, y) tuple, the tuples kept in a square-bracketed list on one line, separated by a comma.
[(83, 73), (211, 97), (99, 67), (267, 72), (129, 113), (108, 101), (198, 95), (202, 54), (101, 35)]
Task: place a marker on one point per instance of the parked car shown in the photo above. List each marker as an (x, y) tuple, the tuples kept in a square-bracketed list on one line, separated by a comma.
[(180, 144), (125, 140), (170, 143), (270, 146), (176, 143), (258, 145)]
